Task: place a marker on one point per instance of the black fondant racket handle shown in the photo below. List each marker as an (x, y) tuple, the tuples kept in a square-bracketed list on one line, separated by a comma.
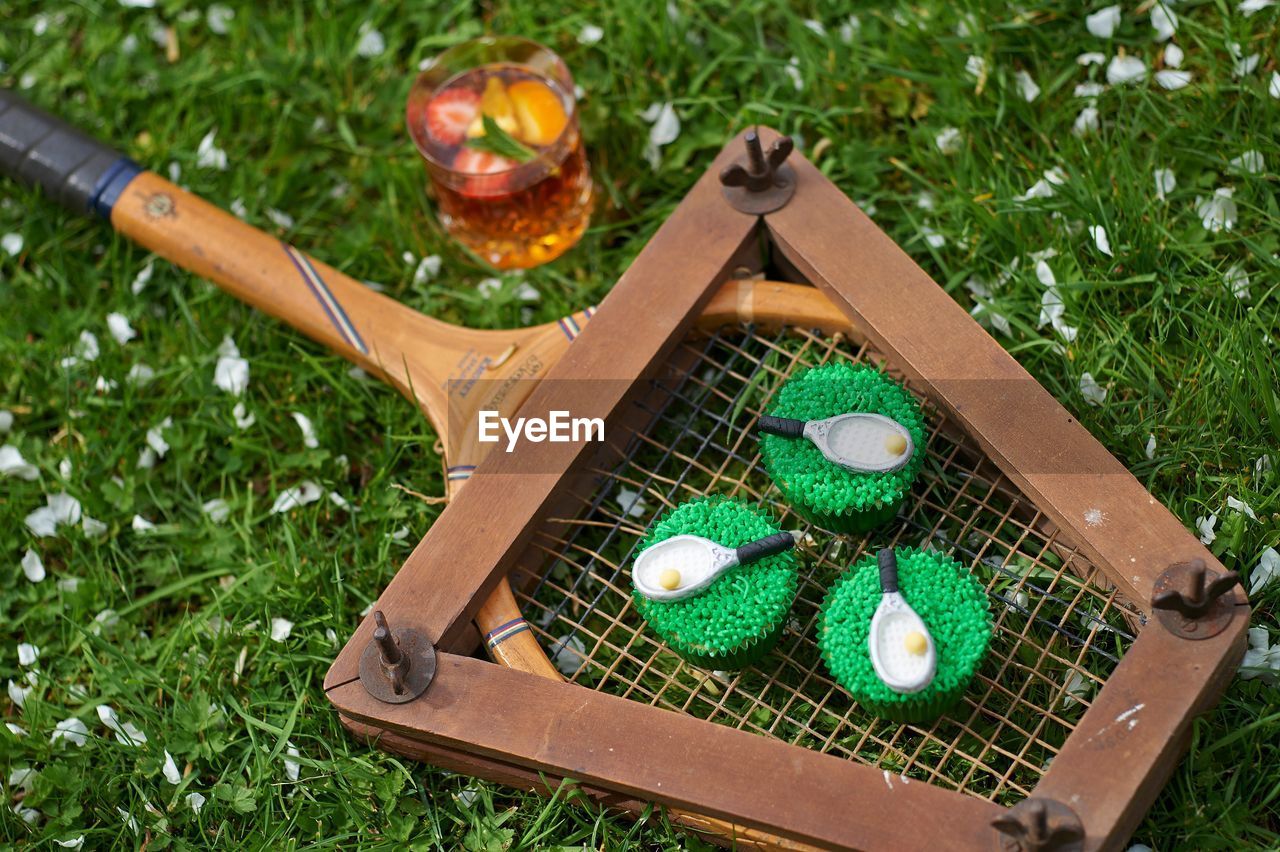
[(888, 570), (77, 171), (767, 546), (784, 426)]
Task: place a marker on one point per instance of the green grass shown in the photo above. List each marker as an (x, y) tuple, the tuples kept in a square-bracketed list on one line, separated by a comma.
[(300, 113)]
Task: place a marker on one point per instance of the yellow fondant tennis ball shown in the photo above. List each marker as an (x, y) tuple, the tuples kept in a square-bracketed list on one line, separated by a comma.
[(915, 643), (669, 578), (895, 445)]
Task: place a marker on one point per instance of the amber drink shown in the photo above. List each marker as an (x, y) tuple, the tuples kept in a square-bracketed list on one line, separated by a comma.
[(496, 120)]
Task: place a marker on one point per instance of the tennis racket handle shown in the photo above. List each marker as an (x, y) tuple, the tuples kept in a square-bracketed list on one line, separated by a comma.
[(784, 426), (77, 171), (767, 546), (888, 570)]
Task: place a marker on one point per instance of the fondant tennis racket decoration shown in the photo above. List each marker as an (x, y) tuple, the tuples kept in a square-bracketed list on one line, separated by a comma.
[(683, 565), (861, 442), (901, 647)]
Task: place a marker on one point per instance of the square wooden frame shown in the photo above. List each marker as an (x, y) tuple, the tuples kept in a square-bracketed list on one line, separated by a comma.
[(518, 728)]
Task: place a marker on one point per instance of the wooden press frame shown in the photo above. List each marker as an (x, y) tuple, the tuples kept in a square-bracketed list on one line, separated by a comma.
[(517, 728)]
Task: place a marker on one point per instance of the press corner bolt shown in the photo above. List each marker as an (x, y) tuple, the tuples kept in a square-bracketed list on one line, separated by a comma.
[(396, 666)]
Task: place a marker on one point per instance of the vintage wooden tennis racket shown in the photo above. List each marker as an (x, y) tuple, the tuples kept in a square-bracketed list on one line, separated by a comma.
[(420, 356)]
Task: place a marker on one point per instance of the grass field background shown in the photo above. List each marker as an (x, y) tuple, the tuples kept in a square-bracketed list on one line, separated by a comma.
[(1165, 347)]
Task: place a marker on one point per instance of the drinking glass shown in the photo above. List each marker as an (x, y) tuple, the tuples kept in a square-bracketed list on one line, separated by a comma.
[(518, 195)]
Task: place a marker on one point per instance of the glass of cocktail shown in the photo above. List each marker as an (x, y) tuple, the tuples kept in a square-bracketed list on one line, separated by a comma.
[(496, 120)]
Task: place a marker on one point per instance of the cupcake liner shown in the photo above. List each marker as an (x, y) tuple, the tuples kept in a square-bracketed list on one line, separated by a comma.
[(953, 606), (738, 618), (745, 655), (852, 521)]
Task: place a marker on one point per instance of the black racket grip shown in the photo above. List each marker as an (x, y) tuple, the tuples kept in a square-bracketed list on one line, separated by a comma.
[(784, 426), (888, 570), (767, 546), (40, 150)]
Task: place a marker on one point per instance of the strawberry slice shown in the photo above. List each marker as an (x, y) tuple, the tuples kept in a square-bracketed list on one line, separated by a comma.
[(450, 113), (485, 172)]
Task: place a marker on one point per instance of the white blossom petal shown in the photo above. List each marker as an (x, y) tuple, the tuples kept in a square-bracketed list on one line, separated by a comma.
[(568, 653), (1173, 80), (308, 431), (1125, 69), (1026, 86), (71, 730), (280, 629), (217, 510), (210, 156), (12, 244), (32, 567), (142, 525), (632, 502), (292, 769), (59, 509), (1088, 90), (1166, 182), (140, 374), (590, 34), (1205, 525), (291, 498), (241, 416), (141, 280), (371, 42), (1150, 449), (1163, 21), (170, 769), (976, 67), (1244, 64), (125, 732), (1075, 688), (1265, 571), (850, 28), (792, 69), (1237, 280), (1240, 506), (1273, 88), (195, 801), (428, 268), (1091, 58), (1103, 23), (1094, 393), (13, 464), (1218, 211), (1249, 7), (76, 842), (1100, 239), (18, 694), (6, 421), (218, 17), (1250, 162), (118, 325), (1172, 56), (949, 140), (666, 124), (1262, 659), (16, 730), (231, 373), (1086, 122), (27, 654)]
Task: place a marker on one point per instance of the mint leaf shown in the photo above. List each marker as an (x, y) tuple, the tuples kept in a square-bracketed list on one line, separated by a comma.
[(498, 141)]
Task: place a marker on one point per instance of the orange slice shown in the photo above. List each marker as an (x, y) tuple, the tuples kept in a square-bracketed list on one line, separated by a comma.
[(495, 103), (541, 114)]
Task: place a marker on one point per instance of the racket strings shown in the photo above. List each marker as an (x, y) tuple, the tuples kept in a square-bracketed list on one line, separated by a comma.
[(1059, 629)]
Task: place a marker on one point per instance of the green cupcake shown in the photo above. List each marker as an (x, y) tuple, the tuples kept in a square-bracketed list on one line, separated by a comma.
[(954, 608), (821, 491), (739, 617)]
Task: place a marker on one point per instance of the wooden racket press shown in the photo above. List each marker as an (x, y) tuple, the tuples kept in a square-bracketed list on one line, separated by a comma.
[(1186, 617)]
